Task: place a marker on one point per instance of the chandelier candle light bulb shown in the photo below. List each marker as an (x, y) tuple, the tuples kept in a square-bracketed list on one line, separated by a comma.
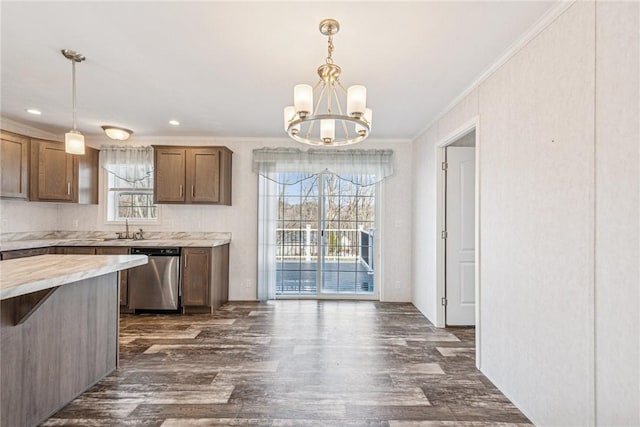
[(367, 117), (356, 100), (342, 113), (327, 130), (303, 99)]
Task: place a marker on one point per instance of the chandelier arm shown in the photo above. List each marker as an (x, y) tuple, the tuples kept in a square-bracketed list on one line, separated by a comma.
[(335, 94), (315, 110), (310, 128), (344, 125), (344, 90), (329, 93)]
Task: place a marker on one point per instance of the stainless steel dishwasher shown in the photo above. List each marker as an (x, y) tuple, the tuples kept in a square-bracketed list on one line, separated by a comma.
[(156, 285)]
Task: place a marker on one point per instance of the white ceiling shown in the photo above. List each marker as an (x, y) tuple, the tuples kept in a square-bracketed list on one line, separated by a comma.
[(226, 69)]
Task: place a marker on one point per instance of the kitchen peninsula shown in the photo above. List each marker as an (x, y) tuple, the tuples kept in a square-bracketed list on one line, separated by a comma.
[(59, 330)]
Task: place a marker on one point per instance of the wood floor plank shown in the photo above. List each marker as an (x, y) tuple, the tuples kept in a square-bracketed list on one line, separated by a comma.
[(293, 363)]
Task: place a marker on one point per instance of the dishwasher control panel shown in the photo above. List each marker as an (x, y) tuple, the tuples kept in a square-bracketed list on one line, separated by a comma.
[(156, 251)]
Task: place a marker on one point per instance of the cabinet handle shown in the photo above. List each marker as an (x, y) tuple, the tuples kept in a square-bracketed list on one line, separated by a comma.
[(181, 190), (193, 191), (68, 188)]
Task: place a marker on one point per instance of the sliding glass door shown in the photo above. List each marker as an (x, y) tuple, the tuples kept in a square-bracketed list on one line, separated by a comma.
[(324, 236), (347, 228)]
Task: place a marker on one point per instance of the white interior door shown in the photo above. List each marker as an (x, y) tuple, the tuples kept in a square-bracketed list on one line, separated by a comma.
[(460, 242)]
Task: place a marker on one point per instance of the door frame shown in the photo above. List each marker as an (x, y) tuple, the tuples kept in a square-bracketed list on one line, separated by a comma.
[(466, 128)]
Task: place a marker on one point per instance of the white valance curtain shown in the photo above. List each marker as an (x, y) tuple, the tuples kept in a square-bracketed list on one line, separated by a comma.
[(131, 164), (362, 167)]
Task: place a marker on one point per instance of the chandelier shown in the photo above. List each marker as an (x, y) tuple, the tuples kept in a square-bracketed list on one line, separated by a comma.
[(327, 123)]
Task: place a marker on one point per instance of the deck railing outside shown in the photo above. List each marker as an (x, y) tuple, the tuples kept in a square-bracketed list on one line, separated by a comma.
[(343, 244)]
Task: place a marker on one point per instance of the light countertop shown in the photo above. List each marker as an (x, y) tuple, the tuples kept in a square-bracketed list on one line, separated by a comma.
[(25, 275), (43, 243)]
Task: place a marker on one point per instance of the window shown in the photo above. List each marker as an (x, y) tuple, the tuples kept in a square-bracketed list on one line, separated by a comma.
[(130, 200), (129, 183)]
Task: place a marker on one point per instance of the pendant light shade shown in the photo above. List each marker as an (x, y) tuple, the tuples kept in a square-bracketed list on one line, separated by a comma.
[(73, 140)]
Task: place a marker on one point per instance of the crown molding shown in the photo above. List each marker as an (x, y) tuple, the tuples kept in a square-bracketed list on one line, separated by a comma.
[(545, 20)]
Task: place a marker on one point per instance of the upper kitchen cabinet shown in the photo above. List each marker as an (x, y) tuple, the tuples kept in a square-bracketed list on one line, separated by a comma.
[(14, 169), (192, 175), (56, 176)]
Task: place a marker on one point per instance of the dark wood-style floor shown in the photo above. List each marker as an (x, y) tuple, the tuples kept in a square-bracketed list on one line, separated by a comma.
[(293, 363)]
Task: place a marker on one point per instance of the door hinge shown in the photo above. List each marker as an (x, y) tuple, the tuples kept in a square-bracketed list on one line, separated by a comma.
[(444, 234), (444, 301), (445, 166)]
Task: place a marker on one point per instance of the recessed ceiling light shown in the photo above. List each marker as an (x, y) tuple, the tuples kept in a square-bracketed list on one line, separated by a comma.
[(174, 123), (33, 111)]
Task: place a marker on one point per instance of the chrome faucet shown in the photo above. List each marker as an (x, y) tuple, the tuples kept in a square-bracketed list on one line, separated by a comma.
[(126, 232)]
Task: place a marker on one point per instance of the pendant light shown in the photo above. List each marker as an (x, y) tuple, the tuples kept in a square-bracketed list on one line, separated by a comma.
[(73, 140)]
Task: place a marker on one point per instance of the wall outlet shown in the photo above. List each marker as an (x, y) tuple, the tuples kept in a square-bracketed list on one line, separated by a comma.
[(396, 285), (75, 223)]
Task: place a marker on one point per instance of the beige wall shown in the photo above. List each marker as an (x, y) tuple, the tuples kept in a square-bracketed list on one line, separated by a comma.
[(241, 218), (617, 214), (559, 171)]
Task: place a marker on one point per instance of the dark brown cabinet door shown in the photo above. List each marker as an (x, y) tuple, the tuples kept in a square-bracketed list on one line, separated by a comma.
[(123, 274), (24, 253), (192, 175), (86, 186), (78, 250), (169, 175), (220, 276), (203, 167), (52, 176), (196, 276), (14, 153)]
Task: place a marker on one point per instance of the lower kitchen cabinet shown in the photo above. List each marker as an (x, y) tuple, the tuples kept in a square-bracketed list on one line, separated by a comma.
[(205, 278), (24, 253), (76, 250)]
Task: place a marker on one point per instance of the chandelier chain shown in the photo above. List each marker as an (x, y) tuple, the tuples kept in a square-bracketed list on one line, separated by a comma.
[(330, 50)]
